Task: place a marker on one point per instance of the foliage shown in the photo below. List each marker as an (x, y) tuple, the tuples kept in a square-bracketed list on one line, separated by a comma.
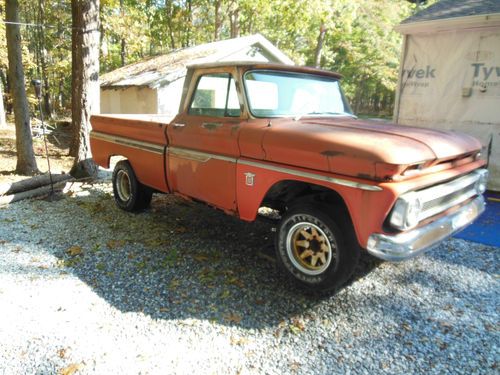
[(360, 41)]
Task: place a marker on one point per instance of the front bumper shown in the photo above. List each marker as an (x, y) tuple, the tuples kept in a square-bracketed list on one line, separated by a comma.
[(409, 244)]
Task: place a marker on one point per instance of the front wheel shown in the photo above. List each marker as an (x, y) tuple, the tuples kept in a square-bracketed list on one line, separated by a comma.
[(130, 194), (316, 247)]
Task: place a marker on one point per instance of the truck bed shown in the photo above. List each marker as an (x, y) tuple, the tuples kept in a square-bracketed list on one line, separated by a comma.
[(139, 138)]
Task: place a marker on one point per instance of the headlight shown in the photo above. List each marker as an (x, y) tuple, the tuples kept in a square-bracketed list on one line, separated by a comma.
[(406, 212), (482, 181)]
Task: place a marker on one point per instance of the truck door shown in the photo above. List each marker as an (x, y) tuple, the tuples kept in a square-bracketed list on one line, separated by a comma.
[(203, 146)]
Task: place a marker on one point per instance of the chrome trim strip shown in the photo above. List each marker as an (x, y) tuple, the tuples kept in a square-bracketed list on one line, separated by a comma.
[(202, 157), (409, 244), (312, 176), (144, 146)]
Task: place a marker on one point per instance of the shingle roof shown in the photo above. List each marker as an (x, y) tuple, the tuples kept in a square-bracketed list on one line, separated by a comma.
[(161, 70), (455, 8)]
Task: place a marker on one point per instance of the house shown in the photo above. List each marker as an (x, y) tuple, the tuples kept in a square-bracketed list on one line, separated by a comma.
[(450, 72), (154, 86)]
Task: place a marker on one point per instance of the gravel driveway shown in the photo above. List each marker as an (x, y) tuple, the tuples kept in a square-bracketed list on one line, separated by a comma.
[(184, 289)]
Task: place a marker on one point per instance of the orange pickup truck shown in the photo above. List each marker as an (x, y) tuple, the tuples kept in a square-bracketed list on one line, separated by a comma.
[(254, 135)]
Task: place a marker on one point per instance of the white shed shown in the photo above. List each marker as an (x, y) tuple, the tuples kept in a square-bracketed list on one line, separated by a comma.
[(450, 73), (154, 86)]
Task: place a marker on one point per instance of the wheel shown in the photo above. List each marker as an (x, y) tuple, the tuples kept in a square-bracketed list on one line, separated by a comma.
[(318, 250), (130, 194)]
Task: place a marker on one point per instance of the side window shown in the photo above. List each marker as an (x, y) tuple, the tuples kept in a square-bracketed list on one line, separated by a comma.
[(215, 95)]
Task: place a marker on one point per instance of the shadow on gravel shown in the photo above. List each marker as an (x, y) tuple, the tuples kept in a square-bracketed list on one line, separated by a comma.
[(181, 260)]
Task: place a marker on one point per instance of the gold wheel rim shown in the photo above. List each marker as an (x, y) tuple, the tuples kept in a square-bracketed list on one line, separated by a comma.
[(309, 248)]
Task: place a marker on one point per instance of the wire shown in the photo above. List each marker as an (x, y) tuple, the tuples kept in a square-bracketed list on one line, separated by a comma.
[(46, 26)]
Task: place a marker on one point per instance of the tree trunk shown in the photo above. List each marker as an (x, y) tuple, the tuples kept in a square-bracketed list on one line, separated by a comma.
[(3, 122), (189, 26), (47, 105), (123, 44), (234, 18), (31, 183), (26, 162), (319, 46), (217, 24), (169, 11), (85, 82)]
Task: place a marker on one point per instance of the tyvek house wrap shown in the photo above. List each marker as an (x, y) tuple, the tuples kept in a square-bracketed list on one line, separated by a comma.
[(451, 80)]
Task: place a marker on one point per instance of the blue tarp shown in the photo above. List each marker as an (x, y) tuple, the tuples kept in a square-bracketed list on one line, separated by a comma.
[(486, 229)]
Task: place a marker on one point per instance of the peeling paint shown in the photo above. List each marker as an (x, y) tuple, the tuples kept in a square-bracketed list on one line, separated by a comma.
[(331, 153)]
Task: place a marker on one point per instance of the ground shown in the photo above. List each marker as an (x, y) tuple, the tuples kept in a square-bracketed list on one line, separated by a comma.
[(58, 145), (181, 288)]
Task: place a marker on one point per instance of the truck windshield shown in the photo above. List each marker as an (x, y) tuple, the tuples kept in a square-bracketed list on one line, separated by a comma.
[(287, 94)]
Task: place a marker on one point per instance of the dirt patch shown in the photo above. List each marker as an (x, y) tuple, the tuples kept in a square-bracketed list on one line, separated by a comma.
[(58, 145)]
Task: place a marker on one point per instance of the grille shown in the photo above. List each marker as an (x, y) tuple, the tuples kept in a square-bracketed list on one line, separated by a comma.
[(442, 197)]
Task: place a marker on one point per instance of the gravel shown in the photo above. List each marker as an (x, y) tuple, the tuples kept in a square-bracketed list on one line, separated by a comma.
[(184, 289)]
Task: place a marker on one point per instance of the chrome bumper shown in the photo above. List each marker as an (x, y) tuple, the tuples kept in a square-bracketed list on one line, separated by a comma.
[(409, 244)]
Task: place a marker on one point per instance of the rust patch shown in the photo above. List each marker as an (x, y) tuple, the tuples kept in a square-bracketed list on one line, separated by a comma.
[(234, 129), (332, 153), (364, 176), (211, 126)]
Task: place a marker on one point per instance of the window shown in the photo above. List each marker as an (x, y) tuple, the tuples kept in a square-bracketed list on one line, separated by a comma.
[(216, 96), (282, 94)]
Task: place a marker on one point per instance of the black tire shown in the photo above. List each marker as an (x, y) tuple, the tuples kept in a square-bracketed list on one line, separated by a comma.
[(130, 194), (316, 247)]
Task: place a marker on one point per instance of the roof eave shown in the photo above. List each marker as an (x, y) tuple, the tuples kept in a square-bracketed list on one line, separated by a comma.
[(476, 21)]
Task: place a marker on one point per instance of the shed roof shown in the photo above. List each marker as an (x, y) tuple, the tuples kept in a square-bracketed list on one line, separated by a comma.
[(446, 9), (161, 70)]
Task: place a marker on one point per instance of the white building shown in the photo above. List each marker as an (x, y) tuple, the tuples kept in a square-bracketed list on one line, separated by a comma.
[(154, 86), (450, 72)]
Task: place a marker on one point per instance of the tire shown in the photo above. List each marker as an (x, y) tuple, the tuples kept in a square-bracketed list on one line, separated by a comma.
[(130, 195), (316, 249)]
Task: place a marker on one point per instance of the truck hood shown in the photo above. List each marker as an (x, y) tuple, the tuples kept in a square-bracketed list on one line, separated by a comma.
[(357, 148)]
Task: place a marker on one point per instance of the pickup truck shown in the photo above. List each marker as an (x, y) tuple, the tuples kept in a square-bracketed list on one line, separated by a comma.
[(256, 136)]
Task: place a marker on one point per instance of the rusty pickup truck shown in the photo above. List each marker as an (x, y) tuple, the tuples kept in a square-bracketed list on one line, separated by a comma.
[(250, 136)]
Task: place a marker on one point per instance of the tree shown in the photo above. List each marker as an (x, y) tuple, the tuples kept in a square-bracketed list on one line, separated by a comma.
[(85, 82), (43, 59), (26, 162), (3, 64), (319, 46), (3, 122)]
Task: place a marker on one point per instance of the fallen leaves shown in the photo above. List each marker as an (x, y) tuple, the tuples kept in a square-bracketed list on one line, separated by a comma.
[(74, 251), (233, 318), (71, 369), (114, 244), (174, 284), (297, 326), (201, 258), (239, 341), (62, 352), (236, 281)]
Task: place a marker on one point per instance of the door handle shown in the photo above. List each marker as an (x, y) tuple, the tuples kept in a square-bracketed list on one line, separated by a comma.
[(177, 125)]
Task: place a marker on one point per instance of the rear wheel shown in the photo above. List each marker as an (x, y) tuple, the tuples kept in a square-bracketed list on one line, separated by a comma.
[(130, 194), (317, 247)]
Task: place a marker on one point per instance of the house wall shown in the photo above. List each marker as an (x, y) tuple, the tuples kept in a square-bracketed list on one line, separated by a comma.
[(169, 97), (451, 80), (129, 100)]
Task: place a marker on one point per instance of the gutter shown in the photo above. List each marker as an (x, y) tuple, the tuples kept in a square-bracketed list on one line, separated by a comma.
[(477, 21)]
